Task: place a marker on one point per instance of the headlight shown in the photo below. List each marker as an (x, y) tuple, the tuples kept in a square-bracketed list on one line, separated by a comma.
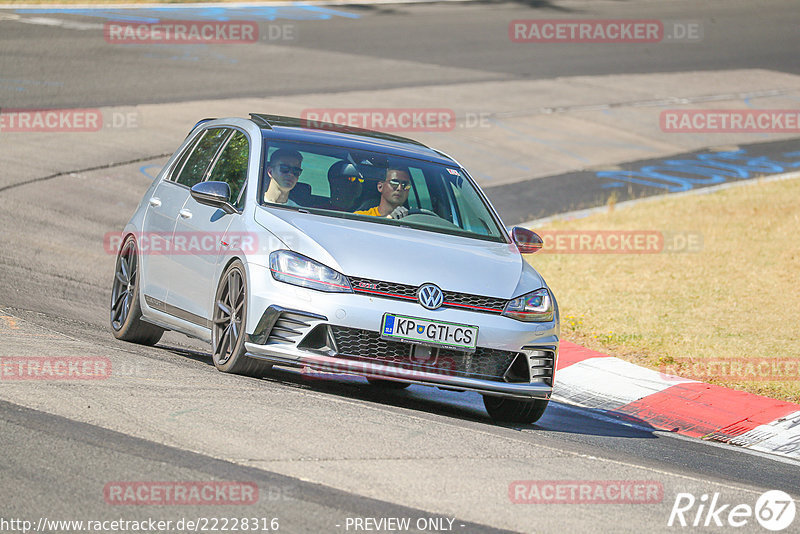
[(536, 306), (298, 270)]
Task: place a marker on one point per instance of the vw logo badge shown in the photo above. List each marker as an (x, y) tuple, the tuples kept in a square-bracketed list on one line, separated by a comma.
[(430, 296)]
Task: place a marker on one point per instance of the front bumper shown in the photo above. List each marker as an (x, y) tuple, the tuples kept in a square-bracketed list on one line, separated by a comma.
[(298, 338)]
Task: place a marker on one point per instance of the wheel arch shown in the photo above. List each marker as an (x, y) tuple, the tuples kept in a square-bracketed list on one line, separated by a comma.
[(221, 269), (133, 232)]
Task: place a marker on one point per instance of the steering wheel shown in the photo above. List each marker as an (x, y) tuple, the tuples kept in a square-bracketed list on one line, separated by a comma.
[(421, 211), (434, 220)]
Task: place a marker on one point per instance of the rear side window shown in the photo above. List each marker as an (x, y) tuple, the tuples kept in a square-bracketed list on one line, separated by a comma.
[(231, 166), (201, 156)]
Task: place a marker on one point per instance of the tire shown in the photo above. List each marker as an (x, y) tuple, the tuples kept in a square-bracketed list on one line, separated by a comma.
[(388, 384), (229, 325), (126, 313), (504, 410)]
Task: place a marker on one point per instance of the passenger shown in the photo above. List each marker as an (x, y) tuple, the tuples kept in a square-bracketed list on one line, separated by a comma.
[(394, 193), (345, 183), (283, 171)]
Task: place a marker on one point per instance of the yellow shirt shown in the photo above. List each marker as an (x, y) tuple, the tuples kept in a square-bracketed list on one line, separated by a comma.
[(372, 211)]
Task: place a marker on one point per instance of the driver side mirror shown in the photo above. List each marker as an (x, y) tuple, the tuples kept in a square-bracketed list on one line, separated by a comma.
[(214, 194), (527, 241)]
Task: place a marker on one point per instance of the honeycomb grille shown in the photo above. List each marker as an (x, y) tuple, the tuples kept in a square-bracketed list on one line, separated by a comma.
[(452, 299), (358, 343), (366, 345), (484, 304), (386, 289)]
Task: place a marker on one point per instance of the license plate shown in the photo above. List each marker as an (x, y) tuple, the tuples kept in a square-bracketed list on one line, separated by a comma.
[(426, 332)]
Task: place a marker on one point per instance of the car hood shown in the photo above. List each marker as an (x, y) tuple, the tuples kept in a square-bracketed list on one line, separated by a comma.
[(404, 255)]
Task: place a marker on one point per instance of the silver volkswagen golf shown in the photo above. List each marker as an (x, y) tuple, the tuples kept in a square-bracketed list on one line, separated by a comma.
[(334, 249)]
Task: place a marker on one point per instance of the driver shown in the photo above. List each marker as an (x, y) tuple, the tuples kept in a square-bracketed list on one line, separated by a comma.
[(394, 193)]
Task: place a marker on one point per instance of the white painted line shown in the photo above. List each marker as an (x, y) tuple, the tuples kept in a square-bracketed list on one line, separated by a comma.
[(66, 24)]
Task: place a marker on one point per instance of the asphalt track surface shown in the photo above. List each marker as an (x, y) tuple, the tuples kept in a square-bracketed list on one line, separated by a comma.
[(320, 450), (467, 42)]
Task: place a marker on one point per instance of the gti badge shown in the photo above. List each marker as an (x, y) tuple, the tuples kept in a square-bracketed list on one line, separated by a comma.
[(430, 296)]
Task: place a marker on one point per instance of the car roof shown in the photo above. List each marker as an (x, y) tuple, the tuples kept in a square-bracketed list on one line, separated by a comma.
[(302, 130)]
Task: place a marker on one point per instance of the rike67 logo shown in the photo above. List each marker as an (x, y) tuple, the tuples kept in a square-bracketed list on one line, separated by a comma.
[(774, 510)]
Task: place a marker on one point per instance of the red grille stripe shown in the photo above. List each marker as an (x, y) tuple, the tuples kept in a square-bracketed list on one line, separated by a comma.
[(471, 307), (362, 290)]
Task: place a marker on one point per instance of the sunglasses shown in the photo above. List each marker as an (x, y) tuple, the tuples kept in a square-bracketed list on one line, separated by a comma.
[(397, 184), (284, 168), (354, 179)]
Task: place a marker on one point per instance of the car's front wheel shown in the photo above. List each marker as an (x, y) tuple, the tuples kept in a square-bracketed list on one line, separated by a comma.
[(504, 410), (229, 323), (126, 313)]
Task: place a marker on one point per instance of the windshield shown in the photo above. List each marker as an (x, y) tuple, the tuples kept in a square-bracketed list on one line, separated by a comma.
[(376, 187)]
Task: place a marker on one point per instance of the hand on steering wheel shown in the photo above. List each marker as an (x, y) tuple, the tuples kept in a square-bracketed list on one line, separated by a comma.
[(398, 213), (401, 211)]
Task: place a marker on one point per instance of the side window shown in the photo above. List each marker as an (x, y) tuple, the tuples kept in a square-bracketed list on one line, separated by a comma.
[(201, 156), (182, 160), (465, 200), (428, 193), (231, 167)]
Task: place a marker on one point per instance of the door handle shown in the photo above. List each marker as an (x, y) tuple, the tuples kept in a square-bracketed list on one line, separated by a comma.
[(155, 202), (186, 214)]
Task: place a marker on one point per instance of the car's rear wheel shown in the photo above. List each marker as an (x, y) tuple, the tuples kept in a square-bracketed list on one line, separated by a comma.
[(126, 313), (229, 323), (387, 384), (504, 410)]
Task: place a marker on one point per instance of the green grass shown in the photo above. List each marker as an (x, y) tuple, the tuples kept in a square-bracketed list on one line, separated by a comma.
[(736, 299)]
